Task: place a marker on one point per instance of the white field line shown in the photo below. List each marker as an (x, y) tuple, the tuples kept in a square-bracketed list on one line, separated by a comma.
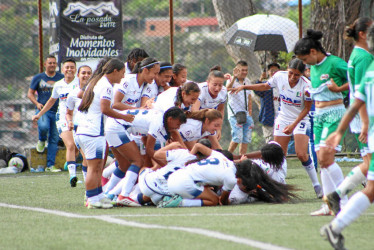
[(109, 219), (210, 214)]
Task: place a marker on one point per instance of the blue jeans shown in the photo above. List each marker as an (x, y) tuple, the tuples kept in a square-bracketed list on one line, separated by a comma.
[(241, 133), (47, 129)]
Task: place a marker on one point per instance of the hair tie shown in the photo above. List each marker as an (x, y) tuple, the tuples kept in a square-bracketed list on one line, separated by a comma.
[(150, 65), (166, 67), (259, 187)]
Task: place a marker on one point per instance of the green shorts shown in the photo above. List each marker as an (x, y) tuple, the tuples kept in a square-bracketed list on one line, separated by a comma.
[(326, 121)]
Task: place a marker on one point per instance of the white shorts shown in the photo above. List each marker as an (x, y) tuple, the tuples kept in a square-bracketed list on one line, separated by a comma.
[(62, 126), (118, 139), (281, 124), (93, 147), (148, 187), (355, 125), (182, 184)]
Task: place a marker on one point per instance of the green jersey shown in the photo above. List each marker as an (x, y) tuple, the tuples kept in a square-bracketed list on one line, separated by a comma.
[(358, 62), (331, 67)]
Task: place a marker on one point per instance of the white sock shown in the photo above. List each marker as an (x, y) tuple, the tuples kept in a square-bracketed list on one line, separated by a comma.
[(84, 172), (354, 178), (309, 167), (130, 179), (72, 168), (327, 185), (93, 199), (354, 208), (191, 203), (337, 178), (118, 188), (108, 171), (116, 177)]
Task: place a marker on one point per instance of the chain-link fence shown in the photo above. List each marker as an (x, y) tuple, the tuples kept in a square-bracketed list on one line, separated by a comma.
[(199, 44)]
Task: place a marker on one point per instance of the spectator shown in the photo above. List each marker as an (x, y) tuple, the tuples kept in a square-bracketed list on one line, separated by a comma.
[(42, 84), (241, 102), (268, 103)]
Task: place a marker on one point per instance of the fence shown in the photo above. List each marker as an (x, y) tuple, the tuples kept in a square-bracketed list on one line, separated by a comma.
[(198, 44)]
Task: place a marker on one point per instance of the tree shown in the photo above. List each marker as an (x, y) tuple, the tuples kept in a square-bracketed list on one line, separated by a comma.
[(331, 17), (228, 12)]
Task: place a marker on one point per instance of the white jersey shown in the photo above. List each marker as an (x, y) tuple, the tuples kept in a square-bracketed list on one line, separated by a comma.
[(167, 99), (277, 175), (145, 122), (207, 101), (237, 102), (92, 122), (152, 90), (191, 130), (60, 91), (292, 99), (72, 103), (215, 170), (129, 87)]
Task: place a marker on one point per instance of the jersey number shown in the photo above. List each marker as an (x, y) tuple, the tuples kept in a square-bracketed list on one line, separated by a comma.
[(135, 112), (213, 161), (166, 176)]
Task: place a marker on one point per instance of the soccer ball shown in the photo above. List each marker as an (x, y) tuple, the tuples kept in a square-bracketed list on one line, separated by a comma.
[(16, 162)]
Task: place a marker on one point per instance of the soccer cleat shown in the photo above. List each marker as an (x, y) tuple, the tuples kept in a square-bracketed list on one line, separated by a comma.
[(333, 201), (127, 202), (336, 240), (319, 191), (40, 146), (53, 169), (323, 211), (37, 170), (173, 202), (73, 181)]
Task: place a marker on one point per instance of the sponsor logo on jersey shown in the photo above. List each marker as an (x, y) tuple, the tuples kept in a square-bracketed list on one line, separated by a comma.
[(290, 101), (324, 77), (63, 96), (131, 101)]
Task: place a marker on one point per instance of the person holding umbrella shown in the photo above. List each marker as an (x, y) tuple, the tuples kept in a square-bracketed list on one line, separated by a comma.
[(292, 118), (327, 71)]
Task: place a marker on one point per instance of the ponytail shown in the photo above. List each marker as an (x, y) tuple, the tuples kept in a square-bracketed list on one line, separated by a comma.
[(201, 115), (360, 24), (88, 95)]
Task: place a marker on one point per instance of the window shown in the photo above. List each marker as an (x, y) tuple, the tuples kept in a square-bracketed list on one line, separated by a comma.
[(152, 27)]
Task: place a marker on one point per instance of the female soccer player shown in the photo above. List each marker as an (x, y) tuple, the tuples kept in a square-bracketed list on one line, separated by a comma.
[(325, 69), (213, 94), (292, 118), (202, 123), (182, 97), (362, 200), (358, 62), (179, 75), (60, 92), (96, 103)]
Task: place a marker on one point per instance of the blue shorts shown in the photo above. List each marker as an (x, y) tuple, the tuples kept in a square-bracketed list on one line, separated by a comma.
[(241, 133)]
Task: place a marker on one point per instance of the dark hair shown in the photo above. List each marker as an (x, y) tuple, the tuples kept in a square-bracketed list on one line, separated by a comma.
[(109, 67), (165, 66), (175, 113), (274, 64), (260, 185), (69, 60), (360, 24), (188, 88), (99, 67), (216, 73), (370, 38), (216, 67), (242, 63), (310, 41), (226, 153), (205, 142), (177, 68), (50, 56), (146, 63), (83, 66), (136, 53), (297, 64), (273, 154), (201, 115)]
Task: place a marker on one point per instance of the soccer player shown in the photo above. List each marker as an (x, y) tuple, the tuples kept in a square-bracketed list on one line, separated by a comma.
[(60, 92), (360, 201), (96, 103), (293, 115), (359, 60), (325, 69)]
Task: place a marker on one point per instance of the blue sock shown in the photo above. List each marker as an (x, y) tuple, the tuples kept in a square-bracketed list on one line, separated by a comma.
[(140, 199), (92, 192)]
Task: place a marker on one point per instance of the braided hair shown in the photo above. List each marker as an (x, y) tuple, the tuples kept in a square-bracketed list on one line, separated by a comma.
[(175, 113)]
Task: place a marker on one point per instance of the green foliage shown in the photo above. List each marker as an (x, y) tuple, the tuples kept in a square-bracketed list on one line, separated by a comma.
[(147, 8), (293, 14)]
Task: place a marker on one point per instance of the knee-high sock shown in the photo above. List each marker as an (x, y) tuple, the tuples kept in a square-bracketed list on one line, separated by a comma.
[(337, 178), (116, 177), (354, 178), (309, 167), (129, 180)]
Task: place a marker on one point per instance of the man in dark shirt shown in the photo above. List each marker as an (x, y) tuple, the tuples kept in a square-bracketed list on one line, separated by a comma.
[(42, 85)]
